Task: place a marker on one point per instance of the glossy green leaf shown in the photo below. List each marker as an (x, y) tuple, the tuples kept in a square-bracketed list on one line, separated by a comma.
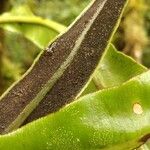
[(21, 20), (115, 69), (116, 118), (114, 73)]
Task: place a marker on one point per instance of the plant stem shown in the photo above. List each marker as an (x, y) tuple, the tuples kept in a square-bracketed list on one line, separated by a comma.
[(32, 20)]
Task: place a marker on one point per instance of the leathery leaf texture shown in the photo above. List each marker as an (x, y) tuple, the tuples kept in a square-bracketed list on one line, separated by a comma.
[(112, 118)]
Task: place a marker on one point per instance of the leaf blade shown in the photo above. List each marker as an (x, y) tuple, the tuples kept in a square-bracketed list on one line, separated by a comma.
[(108, 114), (116, 68)]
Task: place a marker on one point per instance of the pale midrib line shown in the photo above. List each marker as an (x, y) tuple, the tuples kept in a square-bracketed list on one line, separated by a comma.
[(34, 103)]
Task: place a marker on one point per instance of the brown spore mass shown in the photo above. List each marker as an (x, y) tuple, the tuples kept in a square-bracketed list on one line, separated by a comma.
[(23, 92), (86, 60)]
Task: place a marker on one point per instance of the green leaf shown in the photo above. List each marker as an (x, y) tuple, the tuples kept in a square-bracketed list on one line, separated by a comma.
[(21, 20), (116, 68), (116, 118)]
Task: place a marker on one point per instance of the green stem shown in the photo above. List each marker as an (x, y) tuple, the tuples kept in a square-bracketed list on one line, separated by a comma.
[(32, 20)]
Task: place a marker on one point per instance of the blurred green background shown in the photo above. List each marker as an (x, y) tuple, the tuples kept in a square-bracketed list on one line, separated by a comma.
[(17, 52)]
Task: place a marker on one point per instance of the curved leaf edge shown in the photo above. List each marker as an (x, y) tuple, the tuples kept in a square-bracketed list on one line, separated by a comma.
[(90, 118)]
